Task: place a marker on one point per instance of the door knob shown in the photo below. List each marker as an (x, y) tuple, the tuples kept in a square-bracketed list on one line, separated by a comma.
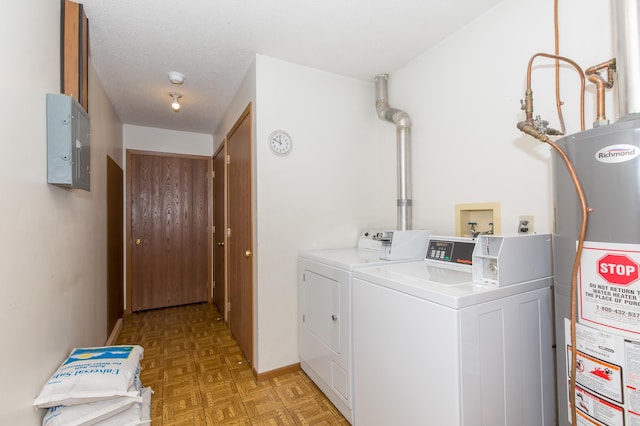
[(247, 253), (220, 244), (138, 241)]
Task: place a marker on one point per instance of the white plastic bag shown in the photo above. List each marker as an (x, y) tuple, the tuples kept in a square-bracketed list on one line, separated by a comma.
[(137, 414), (93, 374), (90, 413)]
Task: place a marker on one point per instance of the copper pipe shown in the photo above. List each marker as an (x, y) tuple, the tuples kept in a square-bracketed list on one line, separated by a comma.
[(574, 276), (600, 85), (528, 106), (593, 74), (531, 130), (559, 103)]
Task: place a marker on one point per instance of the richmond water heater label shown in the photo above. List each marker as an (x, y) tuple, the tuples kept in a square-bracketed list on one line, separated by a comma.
[(609, 287), (617, 153)]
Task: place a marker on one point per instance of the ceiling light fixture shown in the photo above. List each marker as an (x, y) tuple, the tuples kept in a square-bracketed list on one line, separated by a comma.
[(175, 105), (175, 77)]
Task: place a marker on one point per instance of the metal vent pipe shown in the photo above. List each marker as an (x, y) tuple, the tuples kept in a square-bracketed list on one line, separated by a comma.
[(403, 137), (627, 34)]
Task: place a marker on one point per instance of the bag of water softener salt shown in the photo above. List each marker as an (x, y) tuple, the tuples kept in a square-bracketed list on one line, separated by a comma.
[(136, 415), (93, 374), (89, 413)]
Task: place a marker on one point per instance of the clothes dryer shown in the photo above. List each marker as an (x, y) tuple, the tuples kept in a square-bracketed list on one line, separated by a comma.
[(324, 300), (431, 346)]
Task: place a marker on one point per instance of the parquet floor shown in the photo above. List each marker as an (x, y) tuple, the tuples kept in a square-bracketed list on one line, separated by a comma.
[(199, 376)]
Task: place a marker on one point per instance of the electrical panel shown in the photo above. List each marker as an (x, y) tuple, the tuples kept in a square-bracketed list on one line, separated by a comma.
[(68, 147)]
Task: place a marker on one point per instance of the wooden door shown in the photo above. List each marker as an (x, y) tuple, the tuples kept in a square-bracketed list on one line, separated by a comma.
[(170, 222), (240, 239), (115, 244), (219, 239)]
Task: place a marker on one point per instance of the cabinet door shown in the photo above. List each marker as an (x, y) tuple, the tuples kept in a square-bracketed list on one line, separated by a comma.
[(324, 330), (507, 358), (321, 309), (405, 359)]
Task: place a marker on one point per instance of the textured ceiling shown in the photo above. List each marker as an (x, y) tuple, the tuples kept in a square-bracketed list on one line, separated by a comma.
[(135, 43)]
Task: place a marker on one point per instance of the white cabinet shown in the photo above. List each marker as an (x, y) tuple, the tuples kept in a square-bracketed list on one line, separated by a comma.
[(321, 315), (324, 330), (418, 363)]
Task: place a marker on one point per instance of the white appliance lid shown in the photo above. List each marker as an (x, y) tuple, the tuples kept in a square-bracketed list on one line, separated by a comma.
[(347, 258), (440, 284)]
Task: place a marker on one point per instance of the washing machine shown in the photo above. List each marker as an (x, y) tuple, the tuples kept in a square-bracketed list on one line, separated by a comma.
[(324, 300), (463, 337)]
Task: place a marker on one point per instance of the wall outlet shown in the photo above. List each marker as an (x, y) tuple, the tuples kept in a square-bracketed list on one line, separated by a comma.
[(525, 225)]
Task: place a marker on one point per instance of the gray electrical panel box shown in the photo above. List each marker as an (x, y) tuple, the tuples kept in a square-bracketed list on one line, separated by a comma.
[(68, 149)]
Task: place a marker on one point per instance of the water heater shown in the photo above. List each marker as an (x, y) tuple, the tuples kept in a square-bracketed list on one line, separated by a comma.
[(607, 162)]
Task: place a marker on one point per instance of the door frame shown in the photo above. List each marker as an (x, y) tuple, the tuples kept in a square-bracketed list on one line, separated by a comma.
[(250, 304), (129, 239), (115, 244), (220, 269)]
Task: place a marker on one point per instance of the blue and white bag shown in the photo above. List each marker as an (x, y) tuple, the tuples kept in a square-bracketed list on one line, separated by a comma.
[(90, 413), (136, 415), (93, 374)]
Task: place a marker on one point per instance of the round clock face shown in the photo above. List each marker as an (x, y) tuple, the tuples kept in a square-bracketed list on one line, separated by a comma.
[(280, 142)]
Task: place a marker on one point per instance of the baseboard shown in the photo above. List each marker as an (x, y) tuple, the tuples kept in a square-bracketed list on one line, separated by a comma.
[(277, 372), (113, 337)]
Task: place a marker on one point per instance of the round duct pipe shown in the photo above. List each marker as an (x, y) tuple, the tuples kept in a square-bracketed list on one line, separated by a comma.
[(403, 141), (627, 34)]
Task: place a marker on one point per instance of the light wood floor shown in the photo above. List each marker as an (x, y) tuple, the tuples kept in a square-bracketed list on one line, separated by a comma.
[(199, 376)]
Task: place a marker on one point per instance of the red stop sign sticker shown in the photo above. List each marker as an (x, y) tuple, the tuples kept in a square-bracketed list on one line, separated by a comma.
[(618, 269)]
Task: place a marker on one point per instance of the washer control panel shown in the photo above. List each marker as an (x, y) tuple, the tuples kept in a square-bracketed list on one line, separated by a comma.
[(457, 250)]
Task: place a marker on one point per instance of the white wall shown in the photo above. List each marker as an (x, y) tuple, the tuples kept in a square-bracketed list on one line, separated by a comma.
[(163, 140), (463, 96), (53, 279), (245, 95), (464, 99), (319, 196)]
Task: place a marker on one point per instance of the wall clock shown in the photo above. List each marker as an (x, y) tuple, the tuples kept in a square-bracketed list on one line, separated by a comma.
[(280, 142)]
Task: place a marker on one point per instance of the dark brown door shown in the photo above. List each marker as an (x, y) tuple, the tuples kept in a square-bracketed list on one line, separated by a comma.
[(115, 244), (219, 257), (169, 240), (240, 238)]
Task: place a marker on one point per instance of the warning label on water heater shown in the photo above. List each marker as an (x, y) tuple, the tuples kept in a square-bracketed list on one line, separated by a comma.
[(607, 377), (609, 287)]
